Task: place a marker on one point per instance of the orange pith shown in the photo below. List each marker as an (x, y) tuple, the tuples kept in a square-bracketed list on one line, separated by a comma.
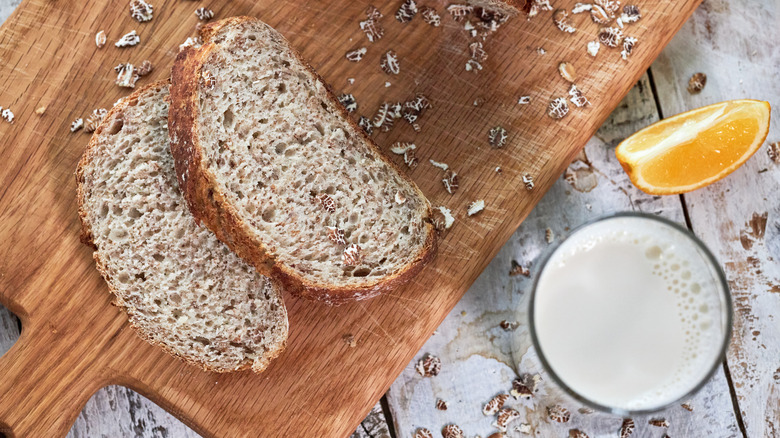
[(694, 149)]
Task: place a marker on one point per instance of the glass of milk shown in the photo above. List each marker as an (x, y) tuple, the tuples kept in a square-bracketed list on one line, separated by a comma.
[(630, 314)]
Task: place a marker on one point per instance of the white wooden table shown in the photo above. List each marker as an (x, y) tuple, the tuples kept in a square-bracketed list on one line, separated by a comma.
[(736, 45)]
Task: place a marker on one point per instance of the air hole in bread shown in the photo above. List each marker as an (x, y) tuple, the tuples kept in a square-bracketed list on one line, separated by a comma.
[(330, 190), (269, 215), (204, 341), (281, 88), (157, 256), (363, 239), (405, 230), (118, 234), (141, 276), (280, 147), (318, 126), (134, 213), (361, 272), (228, 118), (103, 211), (116, 125), (123, 278)]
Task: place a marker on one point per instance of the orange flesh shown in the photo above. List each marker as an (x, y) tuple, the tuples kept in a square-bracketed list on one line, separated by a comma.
[(705, 156)]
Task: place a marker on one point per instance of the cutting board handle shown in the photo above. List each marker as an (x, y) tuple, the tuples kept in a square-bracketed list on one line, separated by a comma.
[(43, 388)]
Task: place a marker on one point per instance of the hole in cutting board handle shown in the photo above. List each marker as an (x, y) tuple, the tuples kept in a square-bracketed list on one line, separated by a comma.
[(10, 330)]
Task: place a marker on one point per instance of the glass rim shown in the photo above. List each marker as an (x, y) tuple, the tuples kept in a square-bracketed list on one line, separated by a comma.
[(728, 310)]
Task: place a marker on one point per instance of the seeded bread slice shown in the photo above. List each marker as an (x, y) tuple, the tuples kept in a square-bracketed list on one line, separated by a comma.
[(271, 162), (181, 287)]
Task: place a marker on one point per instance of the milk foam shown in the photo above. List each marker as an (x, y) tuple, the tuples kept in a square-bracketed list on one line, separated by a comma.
[(628, 313)]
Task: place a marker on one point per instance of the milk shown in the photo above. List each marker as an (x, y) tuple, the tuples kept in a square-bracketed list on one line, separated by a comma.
[(628, 313)]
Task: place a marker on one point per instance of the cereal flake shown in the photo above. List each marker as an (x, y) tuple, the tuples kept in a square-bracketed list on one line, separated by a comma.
[(389, 63), (423, 433), (441, 405), (452, 431), (349, 102), (366, 124), (145, 68), (610, 36), (506, 416), (126, 77), (494, 405), (518, 269), (94, 119), (658, 422), (626, 428), (628, 47), (128, 40), (352, 255), (528, 181), (630, 14), (356, 55), (327, 202), (100, 39), (497, 137), (593, 48), (478, 53), (336, 235), (442, 218), (373, 13), (697, 82), (581, 7), (577, 97), (476, 207), (204, 14), (141, 11), (76, 125), (558, 108), (558, 413), (407, 11), (567, 71), (373, 30), (428, 366), (430, 16), (459, 12), (561, 20)]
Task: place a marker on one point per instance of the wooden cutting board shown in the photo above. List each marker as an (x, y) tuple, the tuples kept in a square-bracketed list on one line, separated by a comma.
[(74, 341)]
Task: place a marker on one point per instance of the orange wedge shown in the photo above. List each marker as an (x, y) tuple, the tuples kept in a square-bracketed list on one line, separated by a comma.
[(696, 148)]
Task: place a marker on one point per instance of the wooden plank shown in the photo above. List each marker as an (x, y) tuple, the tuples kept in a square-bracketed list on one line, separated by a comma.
[(736, 47), (320, 386), (118, 411), (480, 359)]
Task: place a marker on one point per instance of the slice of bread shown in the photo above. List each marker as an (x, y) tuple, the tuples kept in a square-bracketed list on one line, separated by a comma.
[(181, 287), (271, 162)]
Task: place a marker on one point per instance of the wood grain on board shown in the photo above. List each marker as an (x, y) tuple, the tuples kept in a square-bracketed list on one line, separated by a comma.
[(74, 342), (480, 359), (738, 217)]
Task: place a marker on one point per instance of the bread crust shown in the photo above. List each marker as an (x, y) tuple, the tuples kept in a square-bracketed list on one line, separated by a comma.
[(208, 203), (100, 263)]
